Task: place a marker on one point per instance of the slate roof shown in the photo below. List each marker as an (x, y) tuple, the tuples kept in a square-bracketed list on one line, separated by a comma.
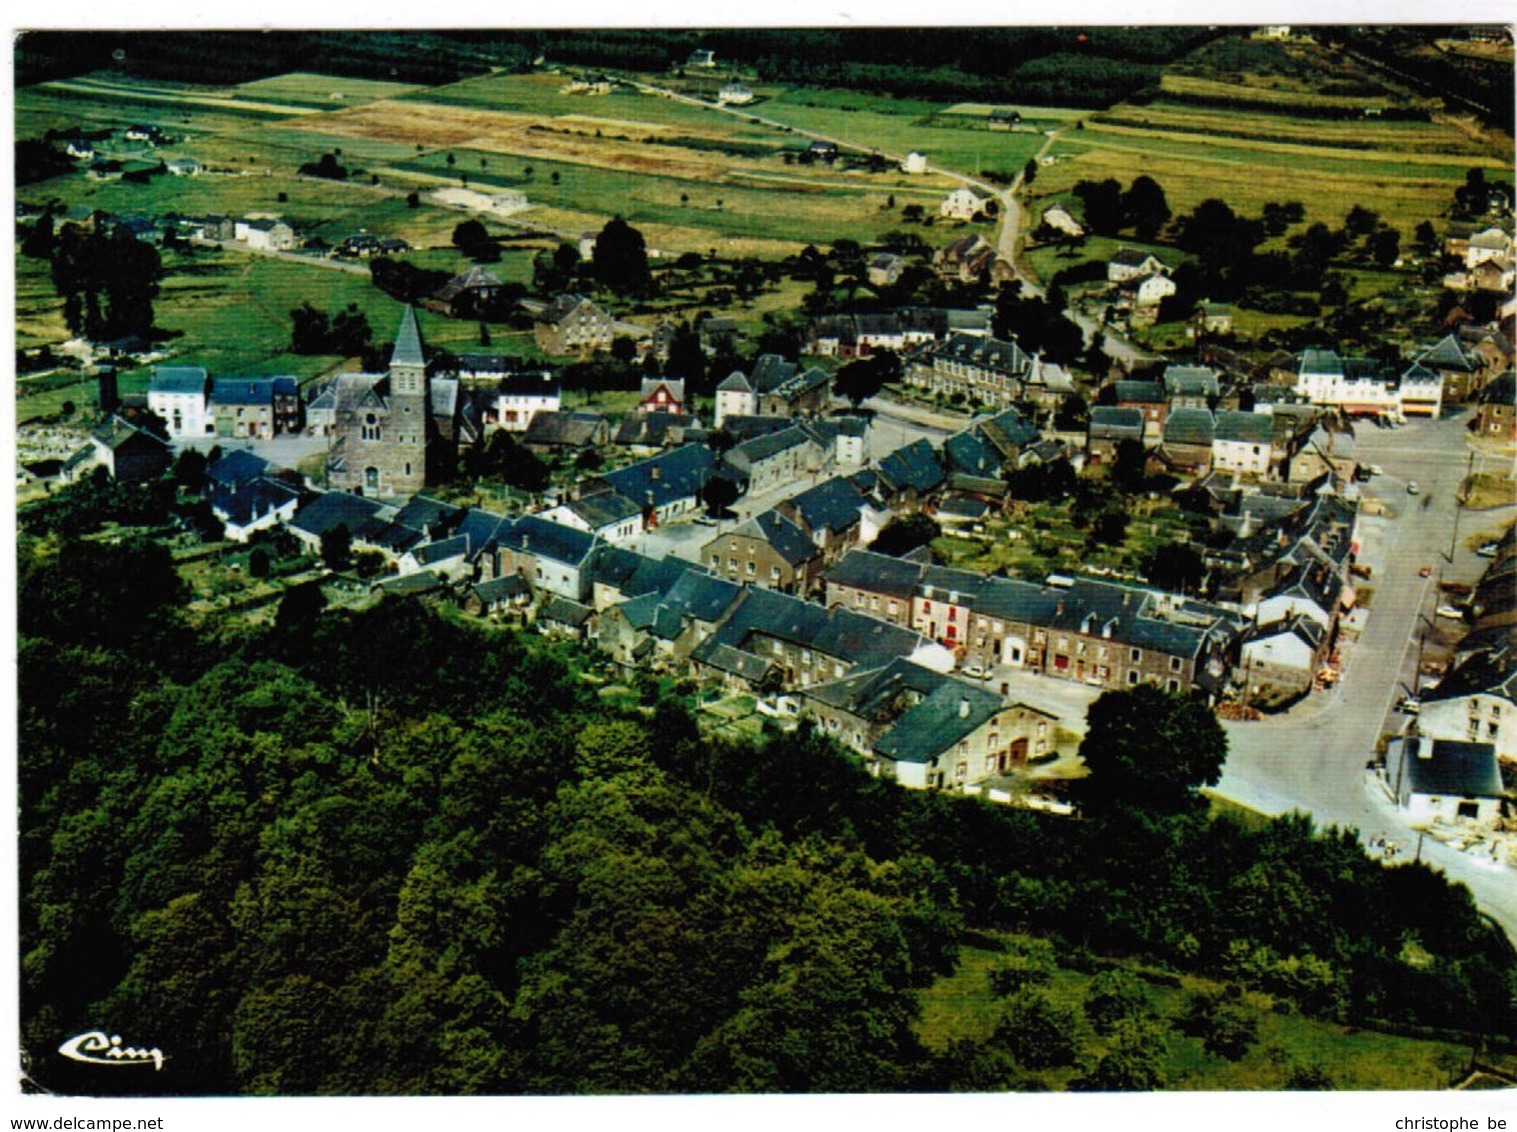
[(1500, 391), (504, 588), (837, 633), (482, 528), (770, 371), (604, 509), (782, 534), (1139, 392), (1297, 626), (966, 452), (1444, 767), (250, 500), (1446, 353), (332, 508), (743, 456), (1489, 673), (915, 465), (725, 658), (566, 612), (537, 536), (1243, 428), (681, 473), (963, 509), (832, 505), (237, 468), (954, 710), (242, 391), (178, 379), (408, 350), (1130, 257), (876, 573), (1189, 426), (1008, 431), (701, 596), (116, 433), (563, 306), (652, 430), (877, 694), (985, 353), (474, 279), (1190, 381), (576, 429), (433, 552), (734, 382), (1321, 362), (675, 386), (634, 574), (419, 582), (1111, 422)]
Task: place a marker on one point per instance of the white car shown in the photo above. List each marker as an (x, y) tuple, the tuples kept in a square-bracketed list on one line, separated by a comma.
[(976, 671), (1413, 487), (1450, 611)]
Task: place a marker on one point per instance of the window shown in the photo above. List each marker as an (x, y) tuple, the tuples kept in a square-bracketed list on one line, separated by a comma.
[(1173, 685), (1132, 676), (370, 429), (752, 568), (371, 478), (1174, 664), (732, 563), (1469, 809), (774, 572), (1137, 655)]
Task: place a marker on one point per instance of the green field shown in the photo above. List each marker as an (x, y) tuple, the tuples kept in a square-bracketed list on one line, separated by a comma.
[(323, 91), (963, 1006)]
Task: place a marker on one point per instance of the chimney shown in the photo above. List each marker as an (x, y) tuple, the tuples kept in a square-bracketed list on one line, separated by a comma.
[(963, 707), (654, 472)]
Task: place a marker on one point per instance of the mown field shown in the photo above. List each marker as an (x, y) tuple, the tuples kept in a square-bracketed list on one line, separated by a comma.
[(963, 1006), (1251, 122)]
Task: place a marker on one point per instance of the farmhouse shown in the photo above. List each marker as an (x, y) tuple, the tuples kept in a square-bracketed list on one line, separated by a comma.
[(986, 369), (769, 550), (129, 454), (915, 163), (1126, 264), (662, 395), (265, 233), (1497, 412), (572, 324), (961, 204), (734, 94)]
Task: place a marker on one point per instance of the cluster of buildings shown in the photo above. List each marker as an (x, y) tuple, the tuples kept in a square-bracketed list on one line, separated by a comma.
[(194, 405)]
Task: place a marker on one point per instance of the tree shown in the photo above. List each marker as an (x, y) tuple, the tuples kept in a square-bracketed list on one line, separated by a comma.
[(1114, 996), (259, 563), (905, 533), (1030, 171), (1103, 205), (862, 378), (1385, 247), (1040, 1032), (471, 237), (1176, 567), (336, 547), (1133, 1062), (1129, 469), (718, 494), (1361, 221), (1150, 750), (1144, 207), (413, 200), (621, 258), (1225, 1024)]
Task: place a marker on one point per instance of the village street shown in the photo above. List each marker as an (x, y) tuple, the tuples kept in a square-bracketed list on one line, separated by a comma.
[(1314, 758)]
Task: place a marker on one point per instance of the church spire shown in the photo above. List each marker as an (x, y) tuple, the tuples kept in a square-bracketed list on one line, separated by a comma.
[(408, 342)]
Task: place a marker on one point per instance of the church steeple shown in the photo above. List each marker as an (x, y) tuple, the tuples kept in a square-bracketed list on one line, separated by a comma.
[(408, 364)]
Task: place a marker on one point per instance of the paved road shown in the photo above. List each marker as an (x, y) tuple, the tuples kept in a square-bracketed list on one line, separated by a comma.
[(1314, 759)]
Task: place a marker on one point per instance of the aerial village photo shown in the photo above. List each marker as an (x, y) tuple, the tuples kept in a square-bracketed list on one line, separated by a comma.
[(899, 560)]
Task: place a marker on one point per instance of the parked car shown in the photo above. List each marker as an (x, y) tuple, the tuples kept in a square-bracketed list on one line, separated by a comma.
[(1413, 487), (1487, 549), (1425, 572), (1453, 611), (1409, 705), (1374, 469), (976, 671)]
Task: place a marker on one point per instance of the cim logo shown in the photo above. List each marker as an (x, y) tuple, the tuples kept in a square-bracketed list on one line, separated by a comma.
[(95, 1047)]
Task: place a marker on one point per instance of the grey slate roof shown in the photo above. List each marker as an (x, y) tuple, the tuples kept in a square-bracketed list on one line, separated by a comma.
[(915, 465), (1446, 767), (725, 658), (876, 573), (531, 534), (1489, 673), (680, 474), (250, 500), (566, 612), (236, 468), (966, 452), (782, 534), (1108, 422), (604, 509), (1245, 428), (455, 547), (1139, 392), (837, 633), (332, 508), (1190, 381), (242, 391), (1189, 426), (504, 588), (832, 505), (952, 711), (178, 379), (407, 350)]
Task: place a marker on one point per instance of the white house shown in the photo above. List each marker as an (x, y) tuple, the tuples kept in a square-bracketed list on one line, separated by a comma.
[(1444, 780), (1126, 264), (1152, 290), (265, 233), (1492, 243), (1243, 442), (520, 395), (1060, 219), (915, 163), (180, 396), (961, 204), (734, 94), (1282, 654), (734, 397)]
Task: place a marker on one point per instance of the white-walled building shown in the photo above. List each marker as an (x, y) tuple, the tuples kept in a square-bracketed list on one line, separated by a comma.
[(1444, 780), (961, 204), (180, 396)]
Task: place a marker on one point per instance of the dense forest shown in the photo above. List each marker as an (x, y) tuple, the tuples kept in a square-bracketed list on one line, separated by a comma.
[(394, 851)]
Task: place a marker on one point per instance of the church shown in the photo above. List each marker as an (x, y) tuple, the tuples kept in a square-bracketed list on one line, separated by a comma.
[(396, 432)]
